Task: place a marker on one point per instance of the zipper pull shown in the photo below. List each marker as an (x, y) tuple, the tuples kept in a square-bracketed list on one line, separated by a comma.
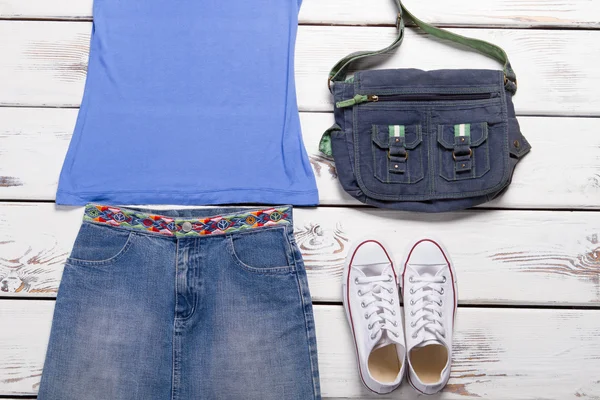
[(358, 99), (351, 102)]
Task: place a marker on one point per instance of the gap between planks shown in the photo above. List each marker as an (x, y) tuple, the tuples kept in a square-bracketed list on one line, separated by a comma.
[(408, 24), (73, 107), (568, 14), (335, 303), (358, 206)]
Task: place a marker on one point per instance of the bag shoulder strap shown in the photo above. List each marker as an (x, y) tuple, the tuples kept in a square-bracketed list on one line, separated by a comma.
[(338, 72)]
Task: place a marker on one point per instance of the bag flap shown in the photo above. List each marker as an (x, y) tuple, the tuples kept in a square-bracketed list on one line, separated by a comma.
[(415, 79)]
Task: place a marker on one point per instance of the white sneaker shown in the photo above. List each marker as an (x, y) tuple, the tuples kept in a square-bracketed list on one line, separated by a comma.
[(430, 298), (372, 304)]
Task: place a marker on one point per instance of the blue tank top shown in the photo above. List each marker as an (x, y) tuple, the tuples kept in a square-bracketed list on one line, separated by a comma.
[(189, 102)]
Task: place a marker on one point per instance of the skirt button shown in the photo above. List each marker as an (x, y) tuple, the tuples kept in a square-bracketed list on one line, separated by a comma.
[(187, 226)]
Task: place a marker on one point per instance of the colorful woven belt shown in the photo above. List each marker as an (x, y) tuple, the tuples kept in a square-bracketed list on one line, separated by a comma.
[(174, 226)]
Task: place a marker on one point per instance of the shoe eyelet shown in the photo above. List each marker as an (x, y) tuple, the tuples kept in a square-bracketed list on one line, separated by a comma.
[(444, 335), (441, 303), (412, 324), (442, 291), (367, 315), (356, 281), (370, 326), (414, 336), (390, 278), (411, 291), (362, 304), (392, 301), (412, 303), (360, 293), (410, 279), (373, 337), (393, 312), (412, 313), (395, 323), (395, 334), (444, 279)]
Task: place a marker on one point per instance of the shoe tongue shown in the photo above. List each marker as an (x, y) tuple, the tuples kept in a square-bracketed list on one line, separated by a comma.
[(375, 269), (384, 340), (428, 270), (429, 338)]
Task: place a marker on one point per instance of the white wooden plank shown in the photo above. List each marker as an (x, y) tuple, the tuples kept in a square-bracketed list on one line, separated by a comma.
[(501, 257), (23, 342), (508, 354), (40, 9), (43, 135), (516, 13), (44, 63), (540, 180), (499, 354), (33, 145), (553, 67)]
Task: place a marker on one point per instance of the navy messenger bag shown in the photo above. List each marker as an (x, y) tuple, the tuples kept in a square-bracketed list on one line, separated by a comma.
[(429, 141)]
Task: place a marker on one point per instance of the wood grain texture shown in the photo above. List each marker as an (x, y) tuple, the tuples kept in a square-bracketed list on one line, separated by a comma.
[(498, 353), (33, 145), (501, 257), (505, 13), (23, 345), (539, 180), (44, 63), (513, 13), (550, 65), (44, 134)]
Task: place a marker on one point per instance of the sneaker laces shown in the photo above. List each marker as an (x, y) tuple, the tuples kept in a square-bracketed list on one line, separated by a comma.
[(377, 293), (427, 305)]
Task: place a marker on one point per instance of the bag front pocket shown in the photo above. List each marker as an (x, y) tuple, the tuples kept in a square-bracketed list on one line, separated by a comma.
[(397, 153), (463, 151)]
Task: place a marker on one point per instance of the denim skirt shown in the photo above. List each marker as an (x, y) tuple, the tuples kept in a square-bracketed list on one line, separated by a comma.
[(183, 304)]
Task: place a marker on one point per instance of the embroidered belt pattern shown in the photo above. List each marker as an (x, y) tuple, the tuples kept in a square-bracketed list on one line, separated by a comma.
[(173, 226)]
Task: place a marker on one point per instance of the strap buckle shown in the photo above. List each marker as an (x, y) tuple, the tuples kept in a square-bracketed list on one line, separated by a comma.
[(506, 80), (405, 155), (469, 155)]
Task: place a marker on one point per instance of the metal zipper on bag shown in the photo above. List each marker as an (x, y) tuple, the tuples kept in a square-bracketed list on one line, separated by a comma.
[(359, 98)]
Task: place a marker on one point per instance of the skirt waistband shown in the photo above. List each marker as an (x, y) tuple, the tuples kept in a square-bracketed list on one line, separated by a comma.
[(182, 223)]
